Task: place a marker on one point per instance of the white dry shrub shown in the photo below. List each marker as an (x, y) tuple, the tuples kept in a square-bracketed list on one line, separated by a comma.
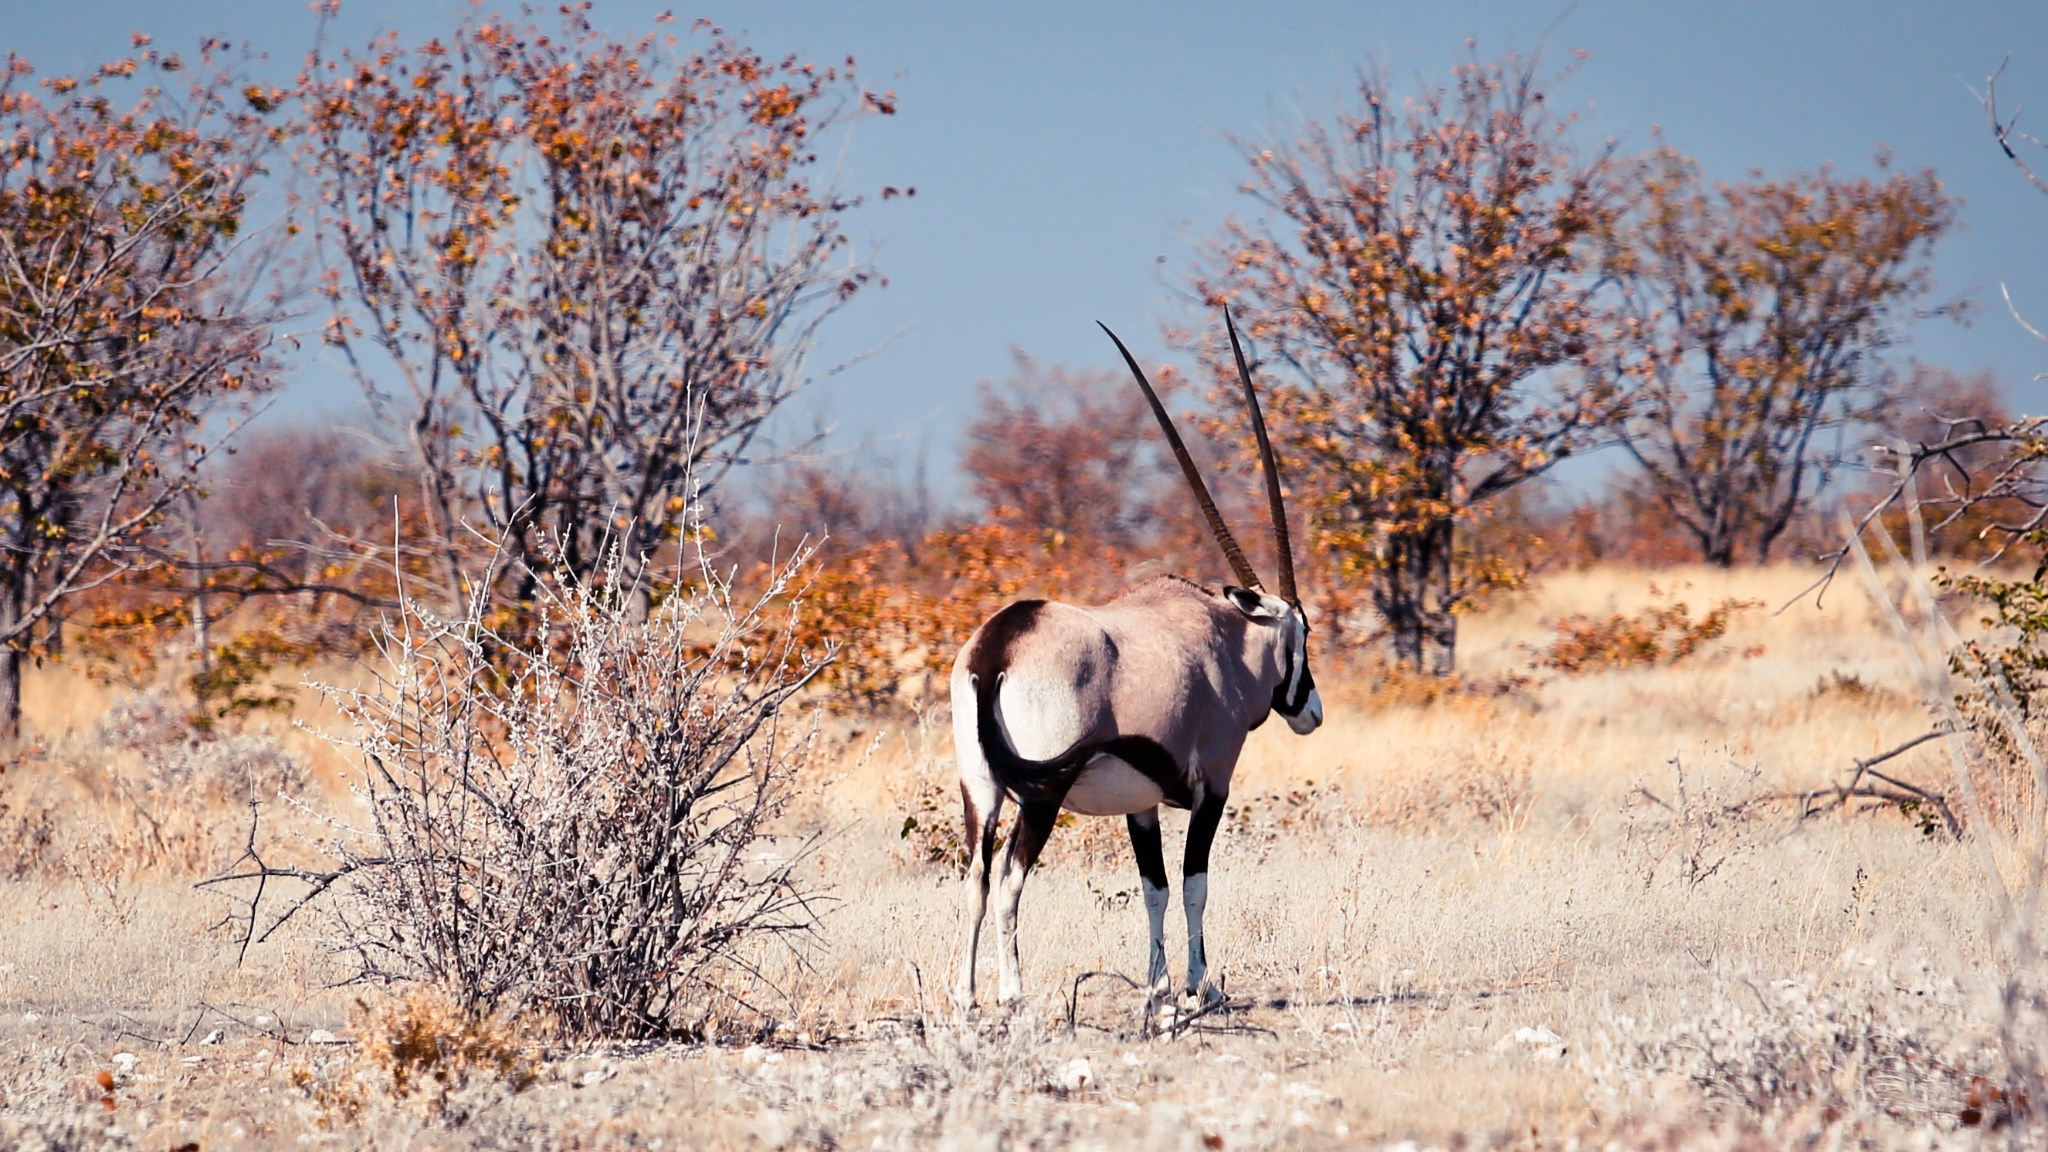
[(571, 820), (1863, 1049)]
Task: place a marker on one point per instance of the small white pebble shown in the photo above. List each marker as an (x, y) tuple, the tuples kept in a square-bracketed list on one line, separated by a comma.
[(213, 1037), (323, 1036), (1077, 1074)]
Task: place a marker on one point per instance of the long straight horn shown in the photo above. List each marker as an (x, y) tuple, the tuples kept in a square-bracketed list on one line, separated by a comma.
[(1283, 549), (1224, 539)]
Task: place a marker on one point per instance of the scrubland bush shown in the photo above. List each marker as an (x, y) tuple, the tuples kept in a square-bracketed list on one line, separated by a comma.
[(1985, 691), (573, 820), (1663, 633), (1701, 821)]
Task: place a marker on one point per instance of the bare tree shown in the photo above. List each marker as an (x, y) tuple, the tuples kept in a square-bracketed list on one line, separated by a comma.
[(1761, 312), (576, 274), (130, 314), (1070, 454)]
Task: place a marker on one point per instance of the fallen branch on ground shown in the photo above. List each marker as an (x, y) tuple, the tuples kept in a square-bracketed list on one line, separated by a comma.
[(1891, 790)]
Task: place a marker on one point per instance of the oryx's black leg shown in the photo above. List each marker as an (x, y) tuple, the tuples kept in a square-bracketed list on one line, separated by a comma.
[(1144, 828), (981, 804), (1034, 823), (1194, 891)]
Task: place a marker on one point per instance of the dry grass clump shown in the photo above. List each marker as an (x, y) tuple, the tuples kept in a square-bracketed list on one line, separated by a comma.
[(138, 793), (423, 1049), (1490, 793)]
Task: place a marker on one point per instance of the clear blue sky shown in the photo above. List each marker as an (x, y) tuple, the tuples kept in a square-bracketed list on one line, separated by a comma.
[(1068, 157)]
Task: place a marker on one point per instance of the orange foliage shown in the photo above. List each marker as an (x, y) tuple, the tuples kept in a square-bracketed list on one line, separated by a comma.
[(123, 322), (1435, 270), (1659, 634), (576, 273)]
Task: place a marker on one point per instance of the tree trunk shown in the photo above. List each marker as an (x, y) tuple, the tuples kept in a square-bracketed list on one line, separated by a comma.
[(10, 698), (202, 639), (1413, 593)]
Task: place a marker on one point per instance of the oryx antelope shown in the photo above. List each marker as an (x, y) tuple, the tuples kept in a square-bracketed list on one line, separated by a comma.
[(1115, 710)]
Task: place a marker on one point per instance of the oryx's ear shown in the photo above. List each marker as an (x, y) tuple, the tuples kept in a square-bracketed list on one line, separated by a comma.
[(1249, 602)]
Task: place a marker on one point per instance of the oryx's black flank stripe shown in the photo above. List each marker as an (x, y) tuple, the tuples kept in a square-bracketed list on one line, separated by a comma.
[(1031, 780)]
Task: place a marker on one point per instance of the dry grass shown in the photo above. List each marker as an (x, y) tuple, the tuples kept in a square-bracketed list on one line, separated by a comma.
[(1457, 923)]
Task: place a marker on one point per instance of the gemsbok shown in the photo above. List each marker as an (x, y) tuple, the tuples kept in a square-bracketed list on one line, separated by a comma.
[(1115, 710)]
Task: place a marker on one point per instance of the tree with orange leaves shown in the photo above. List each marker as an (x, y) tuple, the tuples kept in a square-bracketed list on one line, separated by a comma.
[(1433, 277), (1069, 455), (130, 314), (576, 274), (1762, 311)]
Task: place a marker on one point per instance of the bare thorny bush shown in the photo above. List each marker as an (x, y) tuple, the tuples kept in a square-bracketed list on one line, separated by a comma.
[(1702, 821), (573, 821)]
